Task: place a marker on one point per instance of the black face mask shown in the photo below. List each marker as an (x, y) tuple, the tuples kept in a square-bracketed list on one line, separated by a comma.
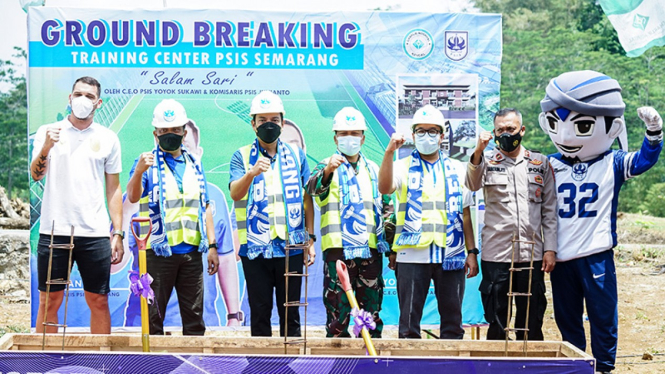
[(508, 142), (269, 132), (170, 142)]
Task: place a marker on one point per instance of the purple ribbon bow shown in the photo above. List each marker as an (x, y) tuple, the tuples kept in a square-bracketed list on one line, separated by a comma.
[(361, 319), (141, 287)]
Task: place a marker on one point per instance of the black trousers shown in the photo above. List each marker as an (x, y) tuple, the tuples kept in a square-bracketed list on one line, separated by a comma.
[(413, 282), (494, 292), (263, 277), (185, 273)]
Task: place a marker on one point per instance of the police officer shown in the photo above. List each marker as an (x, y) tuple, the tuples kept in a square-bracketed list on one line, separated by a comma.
[(342, 184), (520, 200)]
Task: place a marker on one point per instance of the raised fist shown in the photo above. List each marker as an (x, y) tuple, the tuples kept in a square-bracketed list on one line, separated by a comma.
[(483, 139), (261, 166), (333, 163), (146, 160), (651, 118), (52, 136), (396, 141)]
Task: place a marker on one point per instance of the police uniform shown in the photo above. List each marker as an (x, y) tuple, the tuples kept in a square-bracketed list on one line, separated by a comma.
[(520, 200)]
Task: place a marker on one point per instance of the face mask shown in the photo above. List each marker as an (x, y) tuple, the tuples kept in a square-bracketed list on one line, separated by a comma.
[(269, 132), (508, 142), (349, 145), (426, 144), (170, 142), (82, 107)]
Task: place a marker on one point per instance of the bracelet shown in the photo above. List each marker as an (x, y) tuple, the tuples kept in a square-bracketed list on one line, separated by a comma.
[(119, 232), (240, 316), (474, 251)]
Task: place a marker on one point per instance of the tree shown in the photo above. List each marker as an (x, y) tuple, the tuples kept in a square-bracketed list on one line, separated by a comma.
[(545, 38), (13, 129)]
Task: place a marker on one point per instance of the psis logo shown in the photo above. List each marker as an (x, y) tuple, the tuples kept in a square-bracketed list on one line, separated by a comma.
[(418, 44), (579, 171), (457, 44)]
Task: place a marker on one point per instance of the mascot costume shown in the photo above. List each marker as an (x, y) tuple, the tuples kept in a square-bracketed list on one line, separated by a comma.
[(582, 112)]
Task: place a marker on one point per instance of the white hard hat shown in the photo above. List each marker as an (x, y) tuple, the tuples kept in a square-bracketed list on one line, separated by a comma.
[(349, 119), (169, 113), (428, 115), (266, 102)]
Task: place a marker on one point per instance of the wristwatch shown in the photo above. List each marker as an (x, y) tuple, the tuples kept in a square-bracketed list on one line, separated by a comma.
[(119, 232), (474, 251), (240, 316), (212, 245), (313, 237)]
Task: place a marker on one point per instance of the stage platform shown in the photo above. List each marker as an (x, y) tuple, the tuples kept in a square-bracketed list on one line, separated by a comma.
[(122, 353)]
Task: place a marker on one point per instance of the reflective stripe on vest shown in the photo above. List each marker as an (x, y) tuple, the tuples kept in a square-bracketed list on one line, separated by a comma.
[(181, 210), (434, 210), (275, 210), (331, 230)]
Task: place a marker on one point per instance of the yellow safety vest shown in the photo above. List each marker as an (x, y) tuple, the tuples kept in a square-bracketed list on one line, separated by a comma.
[(275, 210), (181, 210), (434, 217), (331, 230)]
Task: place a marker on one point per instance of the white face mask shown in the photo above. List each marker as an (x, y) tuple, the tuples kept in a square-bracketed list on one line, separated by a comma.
[(426, 144), (349, 145), (82, 107)]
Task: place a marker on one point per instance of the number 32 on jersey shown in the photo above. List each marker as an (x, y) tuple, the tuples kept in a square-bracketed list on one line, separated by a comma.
[(577, 200)]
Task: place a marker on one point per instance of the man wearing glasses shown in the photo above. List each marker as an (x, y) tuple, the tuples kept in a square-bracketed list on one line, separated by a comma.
[(520, 201), (432, 227)]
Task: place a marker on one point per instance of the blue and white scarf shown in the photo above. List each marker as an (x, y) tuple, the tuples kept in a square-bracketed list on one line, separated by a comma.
[(454, 257), (355, 239), (158, 240), (258, 221)]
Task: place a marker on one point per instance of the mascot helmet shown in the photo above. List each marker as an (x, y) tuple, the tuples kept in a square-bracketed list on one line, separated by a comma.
[(582, 114)]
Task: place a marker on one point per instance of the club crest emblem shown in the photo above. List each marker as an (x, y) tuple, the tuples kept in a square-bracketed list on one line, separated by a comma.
[(457, 44), (295, 216), (579, 171)]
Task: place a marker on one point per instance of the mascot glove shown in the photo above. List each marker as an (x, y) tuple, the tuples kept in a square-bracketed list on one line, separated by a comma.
[(651, 118)]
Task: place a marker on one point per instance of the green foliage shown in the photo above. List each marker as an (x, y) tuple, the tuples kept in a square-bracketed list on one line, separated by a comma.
[(16, 329), (545, 38), (13, 130), (653, 202)]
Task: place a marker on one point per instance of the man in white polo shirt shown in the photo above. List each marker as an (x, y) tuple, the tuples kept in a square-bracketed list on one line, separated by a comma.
[(81, 162)]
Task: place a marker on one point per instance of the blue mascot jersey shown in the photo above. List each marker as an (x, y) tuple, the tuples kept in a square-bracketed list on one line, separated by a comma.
[(587, 198)]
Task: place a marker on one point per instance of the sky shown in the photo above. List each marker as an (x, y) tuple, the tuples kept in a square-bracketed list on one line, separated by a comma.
[(14, 26)]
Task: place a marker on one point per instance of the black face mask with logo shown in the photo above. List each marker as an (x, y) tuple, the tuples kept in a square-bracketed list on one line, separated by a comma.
[(170, 142), (508, 142), (268, 132)]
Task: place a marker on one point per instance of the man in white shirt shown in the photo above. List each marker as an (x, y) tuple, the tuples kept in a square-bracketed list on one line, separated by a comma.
[(433, 226), (81, 161)]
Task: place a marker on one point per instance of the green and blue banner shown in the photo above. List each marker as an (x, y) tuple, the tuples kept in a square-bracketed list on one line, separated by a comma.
[(214, 62), (640, 24)]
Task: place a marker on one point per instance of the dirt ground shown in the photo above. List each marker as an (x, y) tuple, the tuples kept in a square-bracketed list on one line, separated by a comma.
[(641, 277)]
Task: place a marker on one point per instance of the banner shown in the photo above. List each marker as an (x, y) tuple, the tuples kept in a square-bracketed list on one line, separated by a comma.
[(214, 62), (640, 24)]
